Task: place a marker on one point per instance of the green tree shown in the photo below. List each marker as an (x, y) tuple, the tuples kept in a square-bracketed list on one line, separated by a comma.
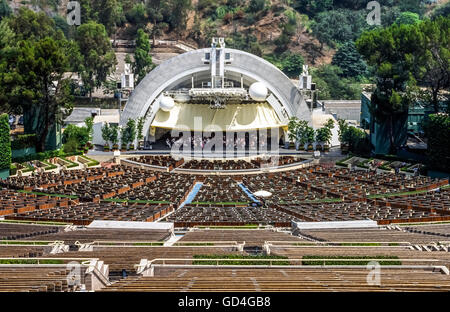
[(114, 135), (324, 134), (89, 122), (256, 6), (128, 134), (432, 61), (408, 18), (5, 10), (32, 80), (331, 85), (391, 51), (5, 142), (137, 15), (313, 7), (176, 12), (292, 64), (106, 133), (107, 13), (437, 130), (442, 10), (79, 135), (98, 58), (350, 61), (338, 26), (142, 59), (6, 36), (140, 128)]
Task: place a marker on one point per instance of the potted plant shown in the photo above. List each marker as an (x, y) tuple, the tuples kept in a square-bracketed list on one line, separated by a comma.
[(131, 147), (139, 134), (106, 148)]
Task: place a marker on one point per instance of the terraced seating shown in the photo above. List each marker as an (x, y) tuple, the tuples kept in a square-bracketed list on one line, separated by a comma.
[(107, 186), (43, 180), (159, 161), (34, 279), (240, 164), (88, 235), (12, 202), (167, 187), (85, 213), (368, 235), (221, 189), (354, 211), (250, 237), (413, 257), (193, 215), (126, 257), (282, 190), (11, 231), (219, 165), (429, 202), (287, 280), (438, 229), (275, 161), (12, 251)]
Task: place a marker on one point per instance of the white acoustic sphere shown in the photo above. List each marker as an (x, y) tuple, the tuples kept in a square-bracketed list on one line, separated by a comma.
[(258, 91), (166, 103)]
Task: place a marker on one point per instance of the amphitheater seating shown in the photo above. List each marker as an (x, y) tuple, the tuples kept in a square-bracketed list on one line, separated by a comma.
[(88, 235), (34, 279), (159, 161), (250, 237), (368, 235), (167, 187), (221, 189), (85, 213), (125, 257), (11, 251), (11, 231), (229, 215), (288, 280)]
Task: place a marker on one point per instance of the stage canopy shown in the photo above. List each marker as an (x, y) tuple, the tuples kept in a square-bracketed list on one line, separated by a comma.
[(234, 117)]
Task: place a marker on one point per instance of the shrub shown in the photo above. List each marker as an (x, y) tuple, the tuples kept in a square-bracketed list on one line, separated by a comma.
[(81, 134), (13, 169), (23, 141), (237, 262), (437, 130), (256, 5), (362, 262), (5, 143), (71, 146)]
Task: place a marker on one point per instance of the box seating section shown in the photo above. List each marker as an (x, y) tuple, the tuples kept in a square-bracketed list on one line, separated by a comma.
[(286, 280)]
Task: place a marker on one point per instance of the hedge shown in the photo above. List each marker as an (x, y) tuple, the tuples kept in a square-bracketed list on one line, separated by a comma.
[(5, 142), (49, 166), (237, 262), (23, 141), (44, 156), (92, 162), (30, 261), (72, 164), (12, 169), (337, 262)]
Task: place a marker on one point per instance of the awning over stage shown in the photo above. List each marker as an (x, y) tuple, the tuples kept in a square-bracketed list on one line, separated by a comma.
[(234, 117)]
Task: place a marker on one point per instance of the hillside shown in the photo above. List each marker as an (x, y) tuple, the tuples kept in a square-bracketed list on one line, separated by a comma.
[(288, 33)]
